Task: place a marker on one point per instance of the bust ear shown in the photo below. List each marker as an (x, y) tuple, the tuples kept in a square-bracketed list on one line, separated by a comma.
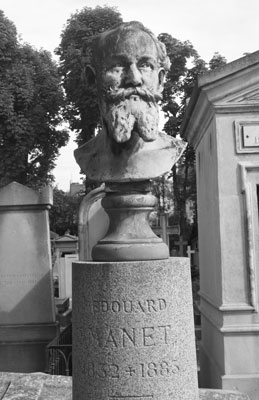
[(161, 77), (89, 75)]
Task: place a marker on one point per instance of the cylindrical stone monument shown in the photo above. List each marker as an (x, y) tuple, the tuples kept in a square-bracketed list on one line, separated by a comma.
[(133, 332)]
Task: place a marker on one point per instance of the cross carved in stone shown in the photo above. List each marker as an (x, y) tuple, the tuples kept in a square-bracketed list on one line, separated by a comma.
[(181, 243), (190, 251)]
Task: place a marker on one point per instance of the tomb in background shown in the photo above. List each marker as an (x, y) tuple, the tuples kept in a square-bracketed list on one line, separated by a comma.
[(222, 123), (27, 312)]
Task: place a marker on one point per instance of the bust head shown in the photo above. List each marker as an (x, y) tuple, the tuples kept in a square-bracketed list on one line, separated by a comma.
[(130, 66)]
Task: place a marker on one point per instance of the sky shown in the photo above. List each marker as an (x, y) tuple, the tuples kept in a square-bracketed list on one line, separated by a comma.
[(229, 27)]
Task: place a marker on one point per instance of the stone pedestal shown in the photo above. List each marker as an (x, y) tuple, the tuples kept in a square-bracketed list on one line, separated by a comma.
[(133, 331), (129, 236)]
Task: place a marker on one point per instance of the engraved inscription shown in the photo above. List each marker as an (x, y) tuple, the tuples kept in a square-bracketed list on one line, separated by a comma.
[(126, 306), (162, 369), (131, 371), (147, 336), (101, 370), (147, 370)]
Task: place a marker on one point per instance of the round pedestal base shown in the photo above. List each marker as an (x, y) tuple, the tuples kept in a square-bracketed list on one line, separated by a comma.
[(129, 237), (130, 251)]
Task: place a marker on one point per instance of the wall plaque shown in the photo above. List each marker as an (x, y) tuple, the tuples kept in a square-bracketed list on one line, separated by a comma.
[(251, 136), (247, 136)]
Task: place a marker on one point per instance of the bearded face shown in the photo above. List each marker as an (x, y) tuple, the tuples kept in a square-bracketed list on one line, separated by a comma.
[(130, 85), (131, 110)]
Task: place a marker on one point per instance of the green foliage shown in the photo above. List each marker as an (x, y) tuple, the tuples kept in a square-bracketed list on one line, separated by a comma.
[(186, 66), (217, 61), (162, 188), (8, 40), (179, 81), (74, 50), (184, 191), (64, 212), (30, 101)]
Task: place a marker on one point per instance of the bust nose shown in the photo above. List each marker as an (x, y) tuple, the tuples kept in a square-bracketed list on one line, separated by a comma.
[(133, 76)]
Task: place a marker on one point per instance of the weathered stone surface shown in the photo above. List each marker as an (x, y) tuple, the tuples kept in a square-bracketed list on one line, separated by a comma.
[(217, 394), (55, 387), (24, 386), (130, 65), (221, 122), (27, 313), (152, 160), (93, 222), (3, 388), (37, 386), (133, 332), (129, 236), (25, 265)]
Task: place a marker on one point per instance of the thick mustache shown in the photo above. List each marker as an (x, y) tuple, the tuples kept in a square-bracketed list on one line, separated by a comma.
[(122, 94)]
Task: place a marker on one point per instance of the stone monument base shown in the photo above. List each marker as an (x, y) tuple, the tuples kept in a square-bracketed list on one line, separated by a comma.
[(40, 386), (23, 347), (133, 331)]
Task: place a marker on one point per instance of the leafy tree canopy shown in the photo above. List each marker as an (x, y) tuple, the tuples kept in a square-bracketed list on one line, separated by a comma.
[(74, 50), (30, 102), (186, 66), (179, 80), (217, 61), (64, 212)]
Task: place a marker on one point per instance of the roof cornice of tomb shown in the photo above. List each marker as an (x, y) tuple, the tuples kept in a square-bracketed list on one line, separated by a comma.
[(232, 88)]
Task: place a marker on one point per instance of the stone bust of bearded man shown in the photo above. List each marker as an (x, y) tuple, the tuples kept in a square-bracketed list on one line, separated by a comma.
[(130, 64)]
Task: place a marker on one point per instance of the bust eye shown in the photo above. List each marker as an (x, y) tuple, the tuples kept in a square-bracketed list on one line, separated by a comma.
[(113, 68), (116, 65), (146, 65)]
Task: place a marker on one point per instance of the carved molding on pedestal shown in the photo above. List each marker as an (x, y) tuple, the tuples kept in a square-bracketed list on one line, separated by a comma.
[(129, 236)]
